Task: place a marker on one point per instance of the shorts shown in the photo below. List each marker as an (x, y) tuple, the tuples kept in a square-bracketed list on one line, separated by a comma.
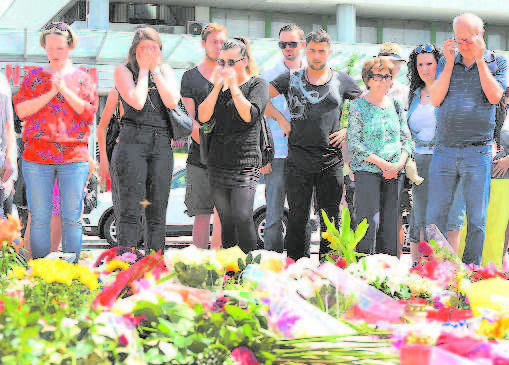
[(198, 198)]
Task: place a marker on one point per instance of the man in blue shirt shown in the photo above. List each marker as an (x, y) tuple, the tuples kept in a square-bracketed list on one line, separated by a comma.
[(469, 85), (291, 43)]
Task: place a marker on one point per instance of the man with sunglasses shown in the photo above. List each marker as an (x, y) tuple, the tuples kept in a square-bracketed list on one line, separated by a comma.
[(291, 43), (315, 98), (196, 85), (392, 52), (469, 85)]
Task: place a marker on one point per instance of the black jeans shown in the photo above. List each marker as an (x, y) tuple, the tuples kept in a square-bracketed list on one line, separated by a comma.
[(377, 200), (235, 208), (143, 162), (328, 185)]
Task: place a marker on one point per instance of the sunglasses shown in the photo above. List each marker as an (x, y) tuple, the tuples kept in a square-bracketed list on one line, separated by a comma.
[(230, 63), (283, 45), (427, 48), (60, 26), (378, 77)]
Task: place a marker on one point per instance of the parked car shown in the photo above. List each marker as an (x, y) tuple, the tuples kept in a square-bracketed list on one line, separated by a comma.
[(101, 220)]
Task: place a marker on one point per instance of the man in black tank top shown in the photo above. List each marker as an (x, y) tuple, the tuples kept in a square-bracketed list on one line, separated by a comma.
[(195, 87)]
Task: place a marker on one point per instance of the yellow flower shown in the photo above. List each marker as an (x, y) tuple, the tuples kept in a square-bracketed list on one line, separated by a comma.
[(273, 261), (117, 264), (229, 258), (17, 272)]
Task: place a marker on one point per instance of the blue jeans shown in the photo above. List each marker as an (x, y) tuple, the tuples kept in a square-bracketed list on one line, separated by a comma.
[(40, 180), (420, 195), (471, 167), (275, 193)]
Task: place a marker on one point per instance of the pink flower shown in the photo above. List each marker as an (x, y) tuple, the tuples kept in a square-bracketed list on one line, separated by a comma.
[(128, 257), (244, 356), (425, 248)]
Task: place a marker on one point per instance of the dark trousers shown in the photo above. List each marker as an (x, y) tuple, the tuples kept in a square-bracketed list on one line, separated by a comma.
[(328, 186), (377, 200), (143, 162), (235, 208)]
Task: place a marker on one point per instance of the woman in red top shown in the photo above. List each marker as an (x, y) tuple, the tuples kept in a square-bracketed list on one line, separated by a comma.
[(58, 103)]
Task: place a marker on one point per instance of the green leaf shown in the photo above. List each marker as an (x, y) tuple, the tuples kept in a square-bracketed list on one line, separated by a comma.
[(83, 349), (235, 312), (183, 341), (166, 327), (257, 259)]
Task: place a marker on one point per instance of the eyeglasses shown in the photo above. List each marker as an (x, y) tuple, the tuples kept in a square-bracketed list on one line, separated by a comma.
[(230, 63), (379, 77), (283, 45), (427, 48), (468, 40), (59, 25)]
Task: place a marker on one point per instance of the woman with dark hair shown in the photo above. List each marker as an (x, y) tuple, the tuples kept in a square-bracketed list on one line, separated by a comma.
[(380, 143), (236, 104), (58, 103), (422, 69), (143, 158)]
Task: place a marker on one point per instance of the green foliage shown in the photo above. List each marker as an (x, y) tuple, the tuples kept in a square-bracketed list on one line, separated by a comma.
[(344, 241)]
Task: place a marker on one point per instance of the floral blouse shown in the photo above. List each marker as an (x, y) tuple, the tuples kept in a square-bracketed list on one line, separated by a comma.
[(56, 134), (377, 130)]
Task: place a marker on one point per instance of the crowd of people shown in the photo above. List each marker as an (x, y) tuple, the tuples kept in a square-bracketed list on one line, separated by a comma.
[(330, 134)]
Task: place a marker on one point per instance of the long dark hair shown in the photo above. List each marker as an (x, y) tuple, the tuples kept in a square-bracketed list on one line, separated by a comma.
[(412, 74)]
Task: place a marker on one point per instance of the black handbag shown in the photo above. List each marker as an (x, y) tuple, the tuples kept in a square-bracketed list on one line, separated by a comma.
[(205, 134), (266, 142), (181, 122)]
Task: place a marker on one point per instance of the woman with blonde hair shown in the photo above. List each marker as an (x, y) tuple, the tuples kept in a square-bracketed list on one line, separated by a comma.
[(143, 157), (236, 104), (58, 103)]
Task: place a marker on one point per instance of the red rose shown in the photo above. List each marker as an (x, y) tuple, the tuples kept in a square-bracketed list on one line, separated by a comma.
[(425, 248), (123, 341), (244, 356), (2, 306), (341, 263)]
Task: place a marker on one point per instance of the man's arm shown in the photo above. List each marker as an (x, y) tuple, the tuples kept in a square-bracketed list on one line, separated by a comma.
[(273, 113), (190, 106), (440, 87), (490, 85)]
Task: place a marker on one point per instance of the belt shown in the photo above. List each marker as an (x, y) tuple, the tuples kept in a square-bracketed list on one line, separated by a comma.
[(477, 144), (148, 119)]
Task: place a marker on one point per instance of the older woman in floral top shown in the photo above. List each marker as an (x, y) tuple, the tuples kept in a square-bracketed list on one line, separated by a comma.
[(58, 103), (380, 143)]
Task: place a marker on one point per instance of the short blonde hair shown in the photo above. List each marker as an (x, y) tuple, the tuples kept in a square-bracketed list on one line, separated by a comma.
[(378, 64), (62, 29)]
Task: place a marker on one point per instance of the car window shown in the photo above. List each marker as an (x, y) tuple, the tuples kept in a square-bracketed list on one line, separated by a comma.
[(179, 180)]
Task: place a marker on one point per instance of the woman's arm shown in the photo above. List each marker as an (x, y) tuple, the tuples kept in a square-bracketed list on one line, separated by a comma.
[(253, 105), (109, 109), (32, 106), (166, 86), (206, 108), (134, 95)]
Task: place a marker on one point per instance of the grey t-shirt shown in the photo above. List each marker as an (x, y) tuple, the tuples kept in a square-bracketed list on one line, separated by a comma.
[(315, 113)]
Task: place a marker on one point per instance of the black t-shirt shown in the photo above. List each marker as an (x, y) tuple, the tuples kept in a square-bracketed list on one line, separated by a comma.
[(196, 87), (315, 113), (234, 143)]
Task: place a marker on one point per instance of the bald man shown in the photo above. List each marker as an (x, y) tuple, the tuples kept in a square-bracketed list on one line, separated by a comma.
[(470, 82)]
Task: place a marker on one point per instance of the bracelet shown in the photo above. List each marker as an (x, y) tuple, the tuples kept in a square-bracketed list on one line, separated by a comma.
[(236, 94)]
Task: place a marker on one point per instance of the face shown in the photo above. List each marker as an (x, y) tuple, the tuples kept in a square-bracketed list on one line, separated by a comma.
[(380, 82), (426, 66), (289, 53), (396, 63), (147, 45), (317, 55), (57, 49), (465, 36), (213, 44), (232, 56)]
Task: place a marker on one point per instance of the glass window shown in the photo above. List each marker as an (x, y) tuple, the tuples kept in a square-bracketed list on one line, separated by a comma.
[(366, 30), (496, 37), (444, 32), (241, 22)]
